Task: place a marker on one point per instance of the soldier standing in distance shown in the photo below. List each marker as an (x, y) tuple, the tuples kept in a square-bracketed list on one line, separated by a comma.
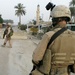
[(7, 34), (58, 58)]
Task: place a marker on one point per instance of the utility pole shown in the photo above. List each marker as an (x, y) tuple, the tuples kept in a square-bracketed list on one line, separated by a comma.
[(50, 0)]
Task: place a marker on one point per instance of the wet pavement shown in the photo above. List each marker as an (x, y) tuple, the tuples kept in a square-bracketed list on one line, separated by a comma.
[(18, 59)]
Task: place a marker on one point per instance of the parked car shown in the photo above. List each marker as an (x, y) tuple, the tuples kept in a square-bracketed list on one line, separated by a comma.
[(71, 27)]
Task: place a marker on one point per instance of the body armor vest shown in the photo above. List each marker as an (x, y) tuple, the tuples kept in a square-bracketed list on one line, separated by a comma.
[(63, 49)]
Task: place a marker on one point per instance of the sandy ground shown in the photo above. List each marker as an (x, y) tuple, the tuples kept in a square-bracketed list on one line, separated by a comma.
[(4, 59), (16, 60), (20, 57)]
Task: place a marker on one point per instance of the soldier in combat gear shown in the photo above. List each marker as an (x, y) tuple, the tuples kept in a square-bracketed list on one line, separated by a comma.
[(59, 57)]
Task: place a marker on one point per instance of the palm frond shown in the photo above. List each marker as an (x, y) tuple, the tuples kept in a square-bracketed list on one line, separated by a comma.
[(20, 11), (72, 3)]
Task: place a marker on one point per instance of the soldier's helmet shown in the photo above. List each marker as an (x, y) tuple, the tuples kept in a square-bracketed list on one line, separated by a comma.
[(61, 11), (8, 24)]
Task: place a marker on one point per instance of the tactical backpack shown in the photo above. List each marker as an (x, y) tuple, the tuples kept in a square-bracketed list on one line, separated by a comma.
[(11, 32)]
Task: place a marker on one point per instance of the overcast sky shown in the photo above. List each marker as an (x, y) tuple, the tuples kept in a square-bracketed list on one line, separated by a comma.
[(8, 12)]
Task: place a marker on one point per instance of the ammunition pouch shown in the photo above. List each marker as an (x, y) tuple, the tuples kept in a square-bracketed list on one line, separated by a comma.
[(44, 66)]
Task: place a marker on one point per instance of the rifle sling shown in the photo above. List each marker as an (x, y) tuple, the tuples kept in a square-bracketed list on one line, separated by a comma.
[(55, 35)]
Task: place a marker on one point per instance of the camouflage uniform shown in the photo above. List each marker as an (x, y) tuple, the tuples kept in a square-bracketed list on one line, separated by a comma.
[(58, 56), (8, 37), (61, 53)]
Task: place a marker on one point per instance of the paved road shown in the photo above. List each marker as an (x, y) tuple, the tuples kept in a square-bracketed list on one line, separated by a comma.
[(20, 57), (17, 60), (4, 58)]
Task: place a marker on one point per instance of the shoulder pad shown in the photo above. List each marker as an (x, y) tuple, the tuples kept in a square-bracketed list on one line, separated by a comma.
[(50, 33)]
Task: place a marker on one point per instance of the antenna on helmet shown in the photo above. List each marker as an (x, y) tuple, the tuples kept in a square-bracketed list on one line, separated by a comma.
[(50, 7)]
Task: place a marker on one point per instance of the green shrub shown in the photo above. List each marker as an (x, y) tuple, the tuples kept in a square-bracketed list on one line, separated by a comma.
[(23, 27)]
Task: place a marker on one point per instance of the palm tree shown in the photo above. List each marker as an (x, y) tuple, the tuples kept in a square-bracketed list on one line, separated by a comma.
[(72, 3), (72, 11), (72, 8), (20, 11)]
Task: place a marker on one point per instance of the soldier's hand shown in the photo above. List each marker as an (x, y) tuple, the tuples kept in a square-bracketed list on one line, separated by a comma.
[(37, 62)]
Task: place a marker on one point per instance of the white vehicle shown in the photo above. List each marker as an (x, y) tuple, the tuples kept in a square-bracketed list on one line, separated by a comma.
[(71, 26)]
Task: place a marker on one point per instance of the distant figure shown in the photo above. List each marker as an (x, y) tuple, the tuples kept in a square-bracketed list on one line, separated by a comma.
[(8, 33), (1, 21)]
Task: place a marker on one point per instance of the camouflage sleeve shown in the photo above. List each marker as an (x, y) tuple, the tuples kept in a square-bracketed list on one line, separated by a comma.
[(41, 48)]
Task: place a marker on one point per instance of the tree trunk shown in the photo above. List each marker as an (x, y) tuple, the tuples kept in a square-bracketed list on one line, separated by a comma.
[(20, 19), (74, 19)]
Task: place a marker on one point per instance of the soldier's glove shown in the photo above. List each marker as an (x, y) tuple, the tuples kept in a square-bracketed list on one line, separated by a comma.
[(30, 74), (34, 67), (39, 63)]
